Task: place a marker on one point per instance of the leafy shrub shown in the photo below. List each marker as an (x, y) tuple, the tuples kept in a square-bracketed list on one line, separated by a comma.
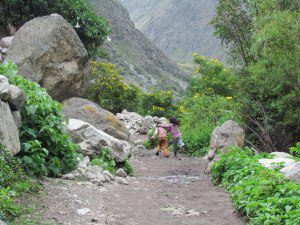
[(13, 183), (91, 28), (109, 89), (109, 164), (264, 196), (295, 150), (128, 168), (46, 147), (157, 103), (213, 78), (200, 115), (105, 161)]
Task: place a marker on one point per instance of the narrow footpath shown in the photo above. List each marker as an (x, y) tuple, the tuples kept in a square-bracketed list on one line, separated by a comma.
[(163, 192)]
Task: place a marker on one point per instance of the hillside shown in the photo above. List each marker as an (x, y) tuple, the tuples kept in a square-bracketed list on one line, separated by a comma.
[(142, 62), (178, 27)]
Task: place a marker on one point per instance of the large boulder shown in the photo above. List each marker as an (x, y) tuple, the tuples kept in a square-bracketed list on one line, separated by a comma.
[(85, 110), (9, 133), (91, 140), (48, 50), (226, 135)]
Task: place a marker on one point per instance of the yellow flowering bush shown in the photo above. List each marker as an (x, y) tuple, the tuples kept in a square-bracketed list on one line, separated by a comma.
[(110, 91), (213, 78)]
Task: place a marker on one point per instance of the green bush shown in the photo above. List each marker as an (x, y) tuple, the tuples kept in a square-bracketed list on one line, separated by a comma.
[(200, 115), (264, 196), (110, 91), (13, 183), (109, 164), (295, 150), (91, 28), (46, 147), (157, 103)]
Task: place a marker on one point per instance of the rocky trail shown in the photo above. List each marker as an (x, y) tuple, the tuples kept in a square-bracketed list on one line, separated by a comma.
[(164, 191)]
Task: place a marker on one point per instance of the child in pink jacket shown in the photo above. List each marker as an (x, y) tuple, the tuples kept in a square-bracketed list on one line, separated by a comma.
[(177, 138)]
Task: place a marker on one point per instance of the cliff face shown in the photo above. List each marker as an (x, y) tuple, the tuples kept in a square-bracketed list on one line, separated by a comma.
[(143, 63), (178, 27)]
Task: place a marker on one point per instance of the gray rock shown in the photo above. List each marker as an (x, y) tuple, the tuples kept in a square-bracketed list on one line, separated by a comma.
[(140, 147), (17, 98), (4, 89), (148, 123), (121, 173), (48, 50), (6, 42), (8, 129), (97, 182), (121, 180), (69, 176), (4, 51), (226, 135), (87, 111), (17, 118), (276, 162), (84, 163), (109, 175), (292, 171), (92, 140)]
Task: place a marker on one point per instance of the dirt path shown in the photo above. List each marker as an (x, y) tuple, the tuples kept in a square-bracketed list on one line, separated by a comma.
[(164, 191)]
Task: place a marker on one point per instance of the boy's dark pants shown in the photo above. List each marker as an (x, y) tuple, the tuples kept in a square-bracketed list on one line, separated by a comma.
[(175, 146)]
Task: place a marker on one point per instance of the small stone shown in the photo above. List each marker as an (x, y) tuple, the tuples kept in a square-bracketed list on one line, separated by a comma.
[(83, 211), (121, 173), (4, 50), (97, 182), (84, 163), (193, 213), (121, 180), (6, 41), (4, 89), (108, 174), (17, 98)]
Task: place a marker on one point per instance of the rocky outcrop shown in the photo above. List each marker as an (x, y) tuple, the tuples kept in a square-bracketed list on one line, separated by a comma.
[(87, 111), (11, 100), (224, 136), (86, 171), (48, 50), (137, 124), (92, 141), (289, 167)]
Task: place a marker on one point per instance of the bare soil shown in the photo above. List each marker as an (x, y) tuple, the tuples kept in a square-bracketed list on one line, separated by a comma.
[(164, 191)]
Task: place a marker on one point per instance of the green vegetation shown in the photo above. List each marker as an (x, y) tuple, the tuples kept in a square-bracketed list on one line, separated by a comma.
[(13, 184), (110, 91), (46, 147), (295, 150), (264, 196), (91, 28), (263, 41), (109, 164)]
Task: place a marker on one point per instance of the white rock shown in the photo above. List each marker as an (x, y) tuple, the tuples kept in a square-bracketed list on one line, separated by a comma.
[(121, 173), (292, 172), (4, 50), (83, 211), (275, 163), (2, 223), (281, 155)]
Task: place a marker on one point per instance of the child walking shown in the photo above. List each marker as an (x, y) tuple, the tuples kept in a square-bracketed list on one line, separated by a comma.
[(177, 138), (162, 134)]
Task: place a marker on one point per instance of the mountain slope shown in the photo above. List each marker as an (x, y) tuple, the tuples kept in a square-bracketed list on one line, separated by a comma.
[(178, 27), (143, 63)]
